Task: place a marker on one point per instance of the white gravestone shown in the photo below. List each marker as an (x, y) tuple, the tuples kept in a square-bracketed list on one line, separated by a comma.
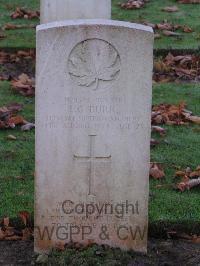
[(55, 10), (93, 116)]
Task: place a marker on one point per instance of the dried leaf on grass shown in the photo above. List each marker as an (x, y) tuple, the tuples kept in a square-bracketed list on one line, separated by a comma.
[(164, 26), (25, 217), (160, 130), (189, 1), (10, 26), (168, 29), (181, 67), (189, 179), (196, 239), (16, 57), (24, 85), (2, 36), (177, 235), (10, 233), (17, 120), (134, 4), (171, 33), (23, 13), (187, 29), (156, 171), (157, 36), (154, 142), (170, 9), (27, 234), (194, 119), (11, 137), (168, 114), (171, 114), (6, 221), (4, 57), (9, 117), (28, 127)]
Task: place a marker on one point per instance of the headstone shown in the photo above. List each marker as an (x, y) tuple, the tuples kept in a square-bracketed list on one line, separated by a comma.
[(56, 10), (93, 116)]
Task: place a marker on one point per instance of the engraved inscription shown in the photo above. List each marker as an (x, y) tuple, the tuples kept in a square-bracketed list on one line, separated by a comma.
[(94, 113), (92, 158), (94, 64)]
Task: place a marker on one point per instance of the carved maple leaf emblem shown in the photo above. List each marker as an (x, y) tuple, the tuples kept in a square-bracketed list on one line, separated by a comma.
[(92, 62)]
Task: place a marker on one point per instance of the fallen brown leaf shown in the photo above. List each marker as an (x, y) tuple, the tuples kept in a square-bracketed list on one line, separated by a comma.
[(24, 85), (60, 246), (189, 1), (168, 114), (23, 13), (16, 120), (194, 119), (161, 66), (181, 67), (10, 233), (164, 26), (189, 179), (6, 221), (157, 36), (8, 117), (154, 142), (189, 184), (2, 36), (25, 217), (196, 239), (156, 171), (2, 234), (28, 127), (187, 29), (11, 137), (180, 173), (133, 4), (10, 26), (20, 177), (160, 130), (170, 9), (16, 57), (195, 173), (27, 234), (171, 33)]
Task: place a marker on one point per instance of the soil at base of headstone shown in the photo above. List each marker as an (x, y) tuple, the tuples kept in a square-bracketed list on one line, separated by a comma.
[(160, 253)]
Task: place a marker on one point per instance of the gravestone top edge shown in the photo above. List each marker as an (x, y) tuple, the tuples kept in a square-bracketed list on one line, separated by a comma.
[(93, 22)]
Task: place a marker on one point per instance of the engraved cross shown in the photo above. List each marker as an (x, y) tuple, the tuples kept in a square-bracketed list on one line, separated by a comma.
[(92, 159)]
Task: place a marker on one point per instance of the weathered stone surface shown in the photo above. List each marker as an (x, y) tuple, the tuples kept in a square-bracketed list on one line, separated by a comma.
[(93, 113), (57, 10)]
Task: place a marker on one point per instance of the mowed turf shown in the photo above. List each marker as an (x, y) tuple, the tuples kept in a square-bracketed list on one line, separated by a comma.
[(16, 159), (188, 14), (180, 151), (19, 38)]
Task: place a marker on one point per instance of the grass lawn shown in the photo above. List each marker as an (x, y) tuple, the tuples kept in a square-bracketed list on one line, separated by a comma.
[(187, 15), (167, 205), (16, 159), (180, 151), (20, 38)]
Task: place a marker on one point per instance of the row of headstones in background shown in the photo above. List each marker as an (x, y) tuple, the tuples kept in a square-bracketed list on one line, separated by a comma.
[(93, 113)]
